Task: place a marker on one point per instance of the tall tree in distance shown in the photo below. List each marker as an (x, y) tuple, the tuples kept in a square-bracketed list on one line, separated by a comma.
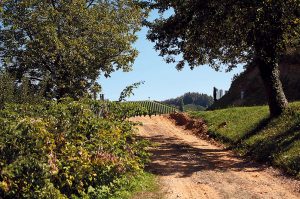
[(228, 33), (69, 42), (181, 107), (215, 93)]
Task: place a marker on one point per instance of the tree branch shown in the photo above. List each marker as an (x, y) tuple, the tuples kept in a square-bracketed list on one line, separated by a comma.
[(90, 3), (53, 4), (35, 78)]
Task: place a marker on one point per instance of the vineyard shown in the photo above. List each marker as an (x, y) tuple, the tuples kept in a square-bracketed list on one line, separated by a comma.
[(152, 108)]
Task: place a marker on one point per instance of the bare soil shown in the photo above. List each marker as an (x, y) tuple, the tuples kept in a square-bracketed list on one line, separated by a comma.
[(190, 167)]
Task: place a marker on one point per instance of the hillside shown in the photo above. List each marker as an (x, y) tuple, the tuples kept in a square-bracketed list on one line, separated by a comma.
[(254, 94), (191, 101), (250, 132)]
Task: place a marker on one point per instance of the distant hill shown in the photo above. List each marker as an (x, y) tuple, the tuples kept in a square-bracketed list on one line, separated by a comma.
[(250, 82), (191, 101)]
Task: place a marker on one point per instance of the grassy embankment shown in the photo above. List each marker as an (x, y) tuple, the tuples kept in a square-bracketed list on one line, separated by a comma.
[(250, 132), (143, 186)]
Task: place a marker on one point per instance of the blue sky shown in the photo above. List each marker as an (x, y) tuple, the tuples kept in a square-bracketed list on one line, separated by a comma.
[(162, 80)]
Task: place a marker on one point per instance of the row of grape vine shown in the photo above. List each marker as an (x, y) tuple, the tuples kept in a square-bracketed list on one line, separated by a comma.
[(153, 108)]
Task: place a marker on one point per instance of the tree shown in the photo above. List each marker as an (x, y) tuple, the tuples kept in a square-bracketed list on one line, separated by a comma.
[(215, 93), (95, 90), (228, 33), (25, 91), (7, 87), (70, 41), (181, 107)]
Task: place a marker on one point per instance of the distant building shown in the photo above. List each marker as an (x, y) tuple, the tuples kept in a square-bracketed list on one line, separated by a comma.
[(219, 93), (242, 94), (101, 97), (215, 91)]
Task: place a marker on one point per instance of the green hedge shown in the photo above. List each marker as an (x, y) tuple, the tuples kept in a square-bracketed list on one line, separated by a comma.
[(67, 150)]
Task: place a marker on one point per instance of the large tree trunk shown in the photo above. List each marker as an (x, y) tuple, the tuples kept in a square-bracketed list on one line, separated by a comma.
[(270, 75), (268, 43)]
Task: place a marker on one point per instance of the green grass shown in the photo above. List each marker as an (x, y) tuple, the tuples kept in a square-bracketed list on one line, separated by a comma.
[(143, 186), (250, 132), (193, 107)]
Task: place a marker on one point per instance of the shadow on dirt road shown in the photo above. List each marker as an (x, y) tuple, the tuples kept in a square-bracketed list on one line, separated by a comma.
[(191, 168)]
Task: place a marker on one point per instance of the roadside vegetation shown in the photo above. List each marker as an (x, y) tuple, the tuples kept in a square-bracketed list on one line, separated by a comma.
[(58, 141), (55, 141), (251, 132), (145, 186), (67, 149)]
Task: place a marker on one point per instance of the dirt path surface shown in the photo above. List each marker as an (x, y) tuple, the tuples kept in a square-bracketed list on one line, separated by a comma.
[(191, 168)]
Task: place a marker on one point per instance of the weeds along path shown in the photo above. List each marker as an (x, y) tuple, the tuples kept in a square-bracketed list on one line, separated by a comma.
[(191, 168)]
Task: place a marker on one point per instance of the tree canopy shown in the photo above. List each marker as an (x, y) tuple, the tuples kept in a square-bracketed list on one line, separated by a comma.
[(68, 42), (223, 32), (227, 33)]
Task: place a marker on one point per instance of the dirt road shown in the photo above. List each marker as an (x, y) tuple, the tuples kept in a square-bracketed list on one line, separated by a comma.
[(191, 168)]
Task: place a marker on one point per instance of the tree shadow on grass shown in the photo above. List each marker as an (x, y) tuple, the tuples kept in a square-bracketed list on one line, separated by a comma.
[(233, 144), (267, 148), (259, 127)]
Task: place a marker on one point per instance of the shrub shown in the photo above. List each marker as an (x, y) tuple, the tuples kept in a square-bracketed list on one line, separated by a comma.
[(66, 150)]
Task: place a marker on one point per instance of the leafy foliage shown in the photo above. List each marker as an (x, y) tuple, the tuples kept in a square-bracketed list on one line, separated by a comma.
[(7, 88), (68, 44), (66, 150), (151, 108), (123, 110), (229, 33), (181, 107), (128, 91), (19, 92)]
